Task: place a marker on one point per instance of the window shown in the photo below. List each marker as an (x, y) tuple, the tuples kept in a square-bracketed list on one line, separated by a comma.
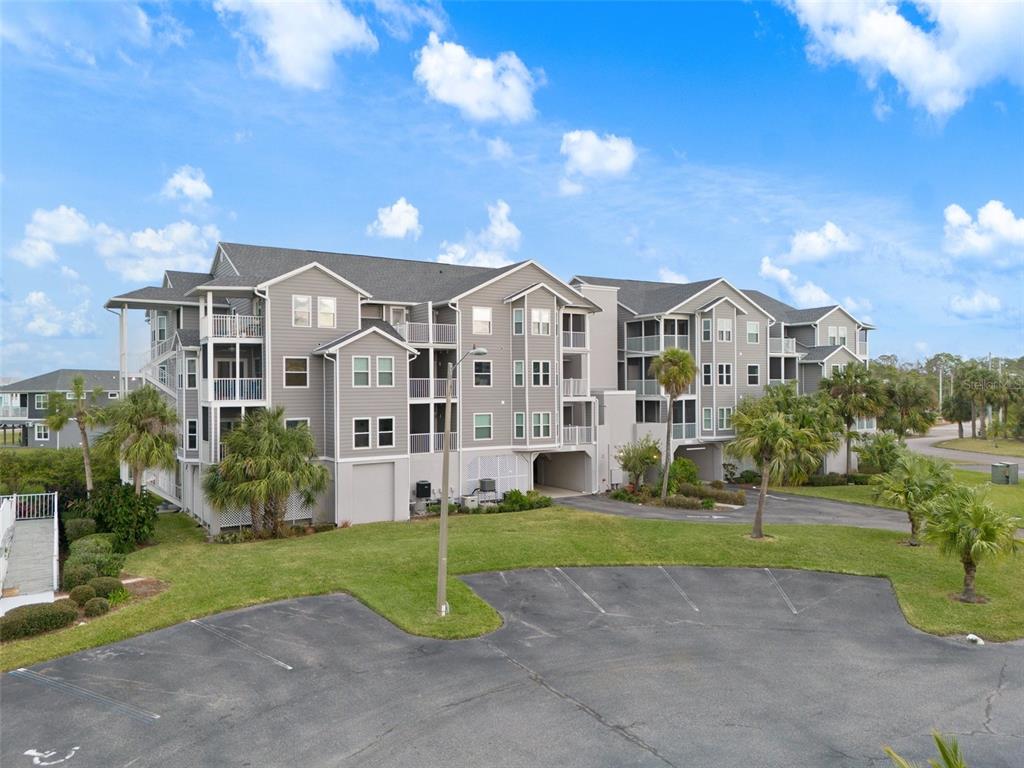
[(296, 423), (708, 380), (753, 375), (705, 329), (708, 419), (326, 311), (360, 433), (481, 373), (161, 375), (71, 395), (360, 371), (542, 425), (725, 374), (482, 426), (518, 373), (191, 435), (296, 372), (191, 372), (837, 368), (113, 394), (42, 402), (518, 321), (519, 422), (42, 432), (398, 316), (482, 321), (724, 329), (302, 311), (841, 335), (540, 322), (753, 332), (385, 432), (385, 371), (725, 418), (541, 373), (161, 327)]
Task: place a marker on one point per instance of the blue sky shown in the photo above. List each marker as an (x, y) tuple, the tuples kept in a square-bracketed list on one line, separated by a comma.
[(869, 154)]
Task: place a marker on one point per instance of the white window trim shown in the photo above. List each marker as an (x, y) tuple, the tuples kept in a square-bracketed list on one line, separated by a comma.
[(369, 433), (391, 432), (191, 369), (392, 359), (296, 419), (706, 329), (707, 375), (725, 372), (517, 427), (368, 372), (724, 328), (490, 427), (284, 372), (113, 394), (189, 435), (725, 418), (46, 431), (707, 419), (71, 395), (334, 311), (757, 368), (537, 326), (541, 363), (756, 333), (308, 298), (519, 312), (521, 373), (44, 398), (490, 374), (489, 321), (534, 426)]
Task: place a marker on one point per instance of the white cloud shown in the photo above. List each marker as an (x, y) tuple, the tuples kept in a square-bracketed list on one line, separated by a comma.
[(145, 254), (481, 89), (62, 225), (295, 43), (857, 305), (187, 183), (499, 149), (977, 304), (996, 225), (666, 275), (38, 315), (33, 252), (959, 46), (69, 273), (810, 246), (489, 247), (922, 347), (568, 188), (803, 294), (590, 155), (399, 17), (398, 221)]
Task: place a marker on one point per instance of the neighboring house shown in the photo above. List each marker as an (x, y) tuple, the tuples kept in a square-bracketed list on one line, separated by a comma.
[(356, 347), (24, 405)]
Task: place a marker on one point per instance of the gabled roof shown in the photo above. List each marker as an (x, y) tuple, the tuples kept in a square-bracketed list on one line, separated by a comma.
[(786, 313), (821, 354), (60, 381), (188, 337), (646, 297), (715, 302), (531, 288), (369, 326)]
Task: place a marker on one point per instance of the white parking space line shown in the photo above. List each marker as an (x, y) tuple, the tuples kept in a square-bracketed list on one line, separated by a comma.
[(83, 693), (580, 589), (781, 591), (679, 589), (214, 631)]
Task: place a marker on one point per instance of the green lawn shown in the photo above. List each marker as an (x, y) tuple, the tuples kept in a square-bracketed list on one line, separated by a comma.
[(1000, 447), (390, 567), (1006, 497)]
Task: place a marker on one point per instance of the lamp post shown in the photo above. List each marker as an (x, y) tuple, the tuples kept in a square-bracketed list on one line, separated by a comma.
[(442, 544)]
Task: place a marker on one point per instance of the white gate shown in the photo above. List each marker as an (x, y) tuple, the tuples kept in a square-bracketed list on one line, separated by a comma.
[(509, 471)]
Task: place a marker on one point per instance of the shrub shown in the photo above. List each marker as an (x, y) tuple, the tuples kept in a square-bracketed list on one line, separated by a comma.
[(860, 479), (104, 564), (130, 518), (738, 498), (82, 594), (322, 527), (832, 478), (621, 494), (707, 503), (119, 596), (750, 477), (76, 528), (93, 544), (683, 502), (96, 607), (879, 451), (638, 457), (729, 472), (105, 586), (718, 484), (517, 501), (679, 471), (30, 620), (76, 573)]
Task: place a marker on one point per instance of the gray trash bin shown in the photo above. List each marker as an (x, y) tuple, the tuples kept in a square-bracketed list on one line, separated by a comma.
[(1004, 473)]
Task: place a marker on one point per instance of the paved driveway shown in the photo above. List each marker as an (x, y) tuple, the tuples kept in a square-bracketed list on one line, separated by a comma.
[(593, 667), (981, 462)]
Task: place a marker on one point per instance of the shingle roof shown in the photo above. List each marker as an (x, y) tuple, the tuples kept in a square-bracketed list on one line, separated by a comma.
[(818, 354), (646, 297), (367, 323), (785, 313), (60, 381), (189, 337), (182, 282)]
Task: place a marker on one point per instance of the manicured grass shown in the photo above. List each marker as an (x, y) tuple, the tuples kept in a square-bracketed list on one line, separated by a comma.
[(1009, 498), (1000, 447), (391, 568)]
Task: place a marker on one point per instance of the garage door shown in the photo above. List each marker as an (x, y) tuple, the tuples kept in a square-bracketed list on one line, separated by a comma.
[(373, 492)]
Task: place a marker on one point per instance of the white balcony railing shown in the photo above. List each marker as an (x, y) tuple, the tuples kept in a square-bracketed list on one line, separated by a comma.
[(643, 343), (425, 333), (453, 443), (238, 389), (862, 349), (574, 339), (424, 442), (643, 386), (577, 435), (444, 333), (686, 431), (13, 412), (781, 346), (424, 387), (678, 341), (160, 348), (575, 388), (233, 326)]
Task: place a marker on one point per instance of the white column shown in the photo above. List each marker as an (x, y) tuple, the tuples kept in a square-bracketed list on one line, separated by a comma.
[(209, 351), (238, 370), (123, 339)]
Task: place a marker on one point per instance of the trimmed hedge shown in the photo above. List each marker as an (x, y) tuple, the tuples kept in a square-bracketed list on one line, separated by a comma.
[(738, 498), (82, 594), (78, 527), (93, 544), (105, 586), (860, 479), (31, 620), (821, 481), (96, 607), (684, 502), (77, 573), (105, 563)]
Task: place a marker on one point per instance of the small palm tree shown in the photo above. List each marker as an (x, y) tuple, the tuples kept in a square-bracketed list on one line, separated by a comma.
[(82, 409), (908, 406), (948, 752), (675, 371), (856, 394), (264, 463), (913, 484), (966, 525), (142, 432)]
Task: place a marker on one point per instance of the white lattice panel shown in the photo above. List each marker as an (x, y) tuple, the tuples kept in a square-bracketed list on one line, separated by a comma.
[(231, 518), (508, 471)]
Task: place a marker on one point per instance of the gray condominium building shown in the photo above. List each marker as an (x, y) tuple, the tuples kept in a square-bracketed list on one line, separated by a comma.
[(356, 348)]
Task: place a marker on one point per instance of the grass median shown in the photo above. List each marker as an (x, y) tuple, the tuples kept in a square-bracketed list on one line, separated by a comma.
[(1002, 447), (391, 568)]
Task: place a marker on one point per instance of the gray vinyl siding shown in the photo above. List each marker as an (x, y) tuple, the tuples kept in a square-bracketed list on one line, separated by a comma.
[(520, 395), (372, 311), (837, 317), (419, 313), (330, 404), (810, 378), (804, 334), (373, 401), (840, 357)]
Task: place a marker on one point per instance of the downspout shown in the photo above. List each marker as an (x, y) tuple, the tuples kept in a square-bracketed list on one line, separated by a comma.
[(266, 343), (458, 391)]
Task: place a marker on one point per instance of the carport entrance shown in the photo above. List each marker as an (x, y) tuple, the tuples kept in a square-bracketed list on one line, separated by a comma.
[(562, 473)]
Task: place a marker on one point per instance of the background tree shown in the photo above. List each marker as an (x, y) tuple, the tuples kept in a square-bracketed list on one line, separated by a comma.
[(908, 405), (855, 394), (142, 432), (956, 406), (878, 452), (675, 371), (807, 412), (264, 463), (82, 408), (965, 525), (913, 485), (638, 457)]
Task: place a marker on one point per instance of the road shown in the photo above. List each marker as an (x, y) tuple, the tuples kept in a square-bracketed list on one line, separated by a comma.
[(980, 462)]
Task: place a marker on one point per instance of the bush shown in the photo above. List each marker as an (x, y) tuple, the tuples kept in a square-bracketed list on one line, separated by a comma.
[(729, 472), (105, 564), (638, 457), (750, 477), (738, 498), (76, 528), (679, 471), (879, 451), (718, 484), (517, 501), (707, 503), (683, 502), (105, 586), (860, 479), (76, 573), (32, 619), (82, 594), (96, 607), (322, 527), (130, 518), (832, 478), (621, 494), (93, 544)]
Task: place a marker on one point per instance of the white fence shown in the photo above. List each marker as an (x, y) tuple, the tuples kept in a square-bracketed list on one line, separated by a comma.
[(6, 534), (577, 435), (233, 327), (425, 333), (27, 506)]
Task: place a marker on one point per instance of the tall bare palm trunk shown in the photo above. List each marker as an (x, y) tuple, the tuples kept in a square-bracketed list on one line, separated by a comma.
[(849, 447), (969, 571), (86, 459), (137, 477), (758, 532), (668, 452)]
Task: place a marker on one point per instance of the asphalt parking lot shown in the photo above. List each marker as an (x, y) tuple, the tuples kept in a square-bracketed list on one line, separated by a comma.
[(593, 667)]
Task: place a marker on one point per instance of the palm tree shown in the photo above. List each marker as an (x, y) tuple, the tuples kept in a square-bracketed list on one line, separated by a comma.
[(807, 412), (856, 394), (81, 408), (913, 484), (264, 463), (142, 432), (908, 405), (965, 525), (957, 406), (675, 371), (948, 752)]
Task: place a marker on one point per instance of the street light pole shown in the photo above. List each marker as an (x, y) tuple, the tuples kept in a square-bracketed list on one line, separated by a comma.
[(442, 544)]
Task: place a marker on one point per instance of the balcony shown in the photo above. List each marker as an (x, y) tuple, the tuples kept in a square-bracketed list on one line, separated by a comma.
[(643, 343), (13, 412), (575, 388), (678, 341), (423, 388), (424, 442), (643, 386), (862, 349), (428, 333), (781, 346), (574, 339), (687, 431), (231, 327), (577, 435), (159, 349), (238, 389)]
